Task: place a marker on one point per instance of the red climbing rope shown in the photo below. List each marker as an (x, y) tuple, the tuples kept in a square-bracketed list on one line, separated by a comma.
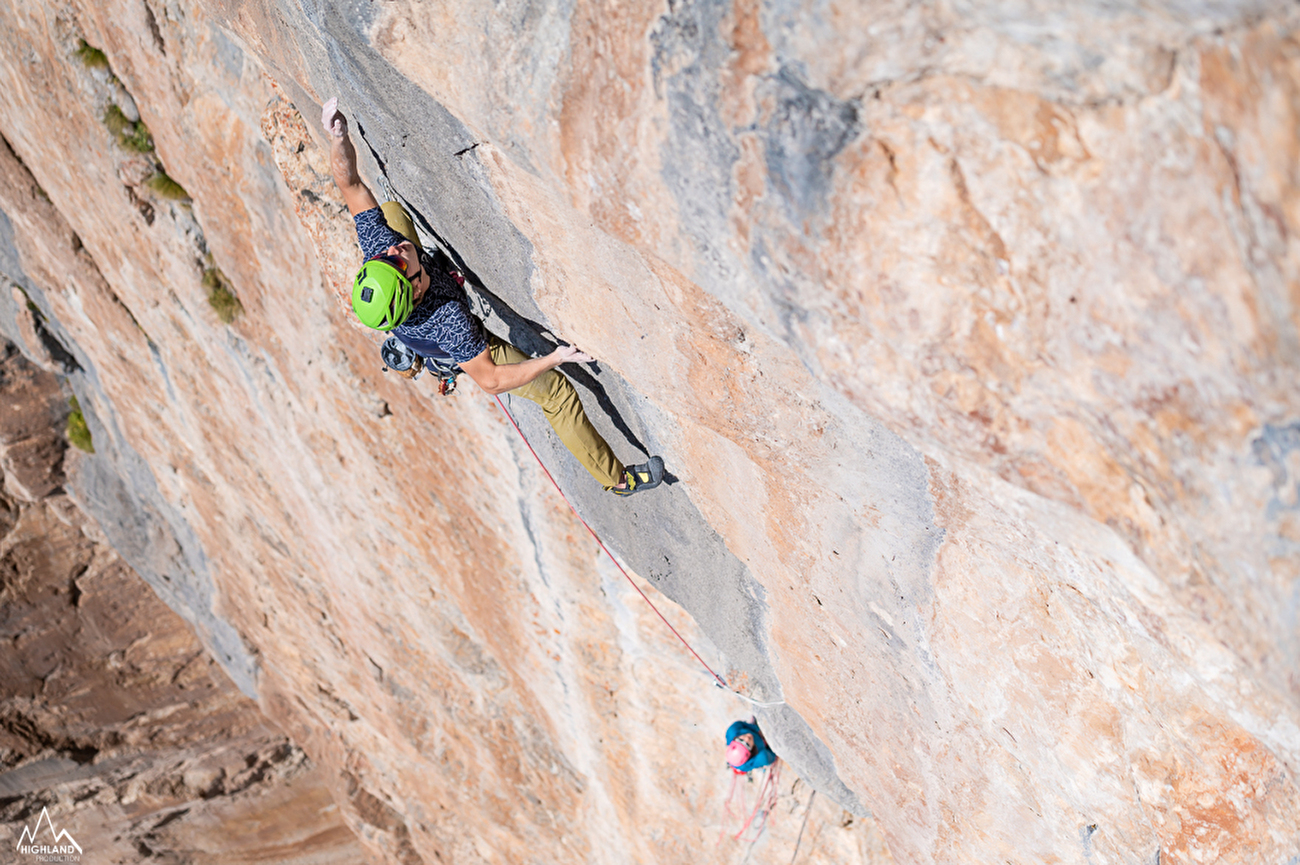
[(733, 807), (763, 804), (721, 681)]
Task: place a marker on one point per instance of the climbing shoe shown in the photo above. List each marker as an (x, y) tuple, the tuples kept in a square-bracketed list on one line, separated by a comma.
[(640, 478)]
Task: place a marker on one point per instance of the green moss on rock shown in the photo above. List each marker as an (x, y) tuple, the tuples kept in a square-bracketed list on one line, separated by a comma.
[(130, 135), (91, 56), (77, 432), (221, 297), (162, 184)]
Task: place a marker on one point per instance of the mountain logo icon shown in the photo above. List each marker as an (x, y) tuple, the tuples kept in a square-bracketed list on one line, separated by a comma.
[(63, 843)]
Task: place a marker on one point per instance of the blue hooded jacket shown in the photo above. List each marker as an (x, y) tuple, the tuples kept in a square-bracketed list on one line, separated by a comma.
[(761, 756)]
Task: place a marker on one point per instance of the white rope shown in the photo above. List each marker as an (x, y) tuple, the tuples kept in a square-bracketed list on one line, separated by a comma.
[(762, 704)]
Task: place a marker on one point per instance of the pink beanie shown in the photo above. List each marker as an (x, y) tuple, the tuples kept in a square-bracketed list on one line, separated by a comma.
[(737, 753)]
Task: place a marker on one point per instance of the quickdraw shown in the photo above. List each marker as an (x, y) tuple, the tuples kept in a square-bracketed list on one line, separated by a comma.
[(446, 371)]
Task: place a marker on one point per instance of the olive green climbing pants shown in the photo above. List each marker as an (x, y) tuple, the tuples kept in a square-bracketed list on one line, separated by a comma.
[(560, 403), (400, 221)]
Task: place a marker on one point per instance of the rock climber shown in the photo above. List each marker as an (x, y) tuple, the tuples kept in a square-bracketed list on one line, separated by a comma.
[(747, 750), (399, 289)]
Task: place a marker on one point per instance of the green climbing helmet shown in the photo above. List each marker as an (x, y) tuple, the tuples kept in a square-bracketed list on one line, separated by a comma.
[(381, 293)]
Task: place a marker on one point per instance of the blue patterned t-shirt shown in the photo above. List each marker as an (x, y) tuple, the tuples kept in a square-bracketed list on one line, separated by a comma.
[(441, 325)]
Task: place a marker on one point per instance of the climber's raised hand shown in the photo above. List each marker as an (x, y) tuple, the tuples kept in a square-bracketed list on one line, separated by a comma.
[(333, 120), (343, 159), (570, 354)]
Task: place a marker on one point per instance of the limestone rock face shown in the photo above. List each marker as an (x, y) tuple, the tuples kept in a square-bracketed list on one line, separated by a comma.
[(31, 443), (968, 333), (113, 718)]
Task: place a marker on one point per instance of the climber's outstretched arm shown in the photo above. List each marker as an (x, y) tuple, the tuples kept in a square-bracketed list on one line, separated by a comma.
[(499, 378), (343, 160)]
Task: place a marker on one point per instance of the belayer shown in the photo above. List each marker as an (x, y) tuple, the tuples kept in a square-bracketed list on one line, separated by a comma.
[(399, 289), (747, 750)]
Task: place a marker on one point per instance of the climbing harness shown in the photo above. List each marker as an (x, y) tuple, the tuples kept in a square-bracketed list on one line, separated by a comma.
[(718, 680), (737, 803)]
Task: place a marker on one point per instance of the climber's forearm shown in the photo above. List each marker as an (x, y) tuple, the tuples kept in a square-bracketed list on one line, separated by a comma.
[(343, 159), (343, 166), (498, 379)]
